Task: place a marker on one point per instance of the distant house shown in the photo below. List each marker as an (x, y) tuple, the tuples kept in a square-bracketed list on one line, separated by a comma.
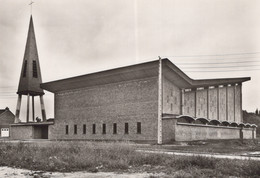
[(6, 118)]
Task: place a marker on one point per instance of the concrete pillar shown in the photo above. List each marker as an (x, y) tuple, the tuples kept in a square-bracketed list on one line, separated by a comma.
[(241, 111), (227, 102), (182, 101), (159, 139), (28, 108), (18, 107), (234, 102), (218, 102), (241, 133), (43, 108), (33, 115), (195, 104), (207, 88)]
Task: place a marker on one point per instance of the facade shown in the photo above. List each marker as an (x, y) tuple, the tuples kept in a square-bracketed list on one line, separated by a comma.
[(122, 104), (6, 119)]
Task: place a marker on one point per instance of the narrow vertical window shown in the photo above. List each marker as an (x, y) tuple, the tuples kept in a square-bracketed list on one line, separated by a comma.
[(126, 128), (75, 129), (94, 129), (139, 127), (104, 129), (84, 128), (24, 68), (67, 129), (114, 128), (35, 74), (171, 106)]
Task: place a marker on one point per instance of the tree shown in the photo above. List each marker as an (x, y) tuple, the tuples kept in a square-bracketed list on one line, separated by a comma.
[(256, 111)]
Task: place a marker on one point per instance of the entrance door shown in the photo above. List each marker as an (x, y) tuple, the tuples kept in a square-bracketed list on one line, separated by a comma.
[(45, 132), (40, 132)]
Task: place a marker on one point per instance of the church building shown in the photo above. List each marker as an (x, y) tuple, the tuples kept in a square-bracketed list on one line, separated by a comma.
[(153, 101)]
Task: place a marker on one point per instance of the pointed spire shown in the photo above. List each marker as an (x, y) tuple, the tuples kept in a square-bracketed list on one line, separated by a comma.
[(30, 78)]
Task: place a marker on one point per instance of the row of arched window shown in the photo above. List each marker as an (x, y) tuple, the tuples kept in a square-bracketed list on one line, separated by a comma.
[(204, 121)]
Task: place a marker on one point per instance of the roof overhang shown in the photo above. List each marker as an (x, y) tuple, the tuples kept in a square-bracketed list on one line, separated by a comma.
[(32, 124), (133, 72), (176, 75)]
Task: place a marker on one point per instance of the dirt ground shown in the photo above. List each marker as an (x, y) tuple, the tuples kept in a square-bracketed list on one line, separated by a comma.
[(23, 173)]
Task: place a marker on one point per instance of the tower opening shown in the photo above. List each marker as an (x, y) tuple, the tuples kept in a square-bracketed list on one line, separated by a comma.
[(35, 74)]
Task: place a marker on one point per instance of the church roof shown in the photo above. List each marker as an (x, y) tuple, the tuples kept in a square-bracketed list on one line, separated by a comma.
[(30, 78), (138, 71)]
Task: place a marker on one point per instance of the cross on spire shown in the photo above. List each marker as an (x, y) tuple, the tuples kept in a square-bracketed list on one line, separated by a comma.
[(31, 5)]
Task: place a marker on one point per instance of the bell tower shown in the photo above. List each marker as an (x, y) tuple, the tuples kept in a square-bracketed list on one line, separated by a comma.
[(30, 78)]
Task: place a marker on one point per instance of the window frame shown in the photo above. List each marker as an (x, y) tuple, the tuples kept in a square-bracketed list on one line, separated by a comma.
[(66, 129), (126, 128), (104, 128), (139, 128), (94, 129), (75, 129), (84, 129), (34, 69), (114, 128)]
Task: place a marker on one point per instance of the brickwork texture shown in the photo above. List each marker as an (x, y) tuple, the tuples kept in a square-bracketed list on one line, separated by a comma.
[(118, 103)]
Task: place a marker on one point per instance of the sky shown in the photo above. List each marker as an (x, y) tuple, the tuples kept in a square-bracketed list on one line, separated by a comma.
[(205, 39)]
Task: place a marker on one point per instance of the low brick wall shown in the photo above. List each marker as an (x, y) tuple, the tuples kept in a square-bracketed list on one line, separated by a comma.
[(248, 133), (189, 132), (20, 132), (29, 131), (168, 127)]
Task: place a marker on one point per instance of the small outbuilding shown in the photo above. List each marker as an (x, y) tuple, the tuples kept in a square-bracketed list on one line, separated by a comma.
[(6, 119)]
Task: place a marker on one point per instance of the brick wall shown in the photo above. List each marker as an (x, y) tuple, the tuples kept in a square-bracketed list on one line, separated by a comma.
[(188, 132), (231, 94), (7, 117), (248, 133), (201, 103), (213, 103), (168, 130), (171, 98), (125, 102), (238, 107), (21, 132), (222, 104), (229, 106), (189, 103)]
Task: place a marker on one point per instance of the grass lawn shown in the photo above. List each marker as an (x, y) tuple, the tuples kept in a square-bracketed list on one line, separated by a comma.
[(118, 157)]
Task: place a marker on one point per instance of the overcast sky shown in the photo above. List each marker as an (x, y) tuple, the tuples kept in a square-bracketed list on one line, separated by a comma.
[(84, 36)]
